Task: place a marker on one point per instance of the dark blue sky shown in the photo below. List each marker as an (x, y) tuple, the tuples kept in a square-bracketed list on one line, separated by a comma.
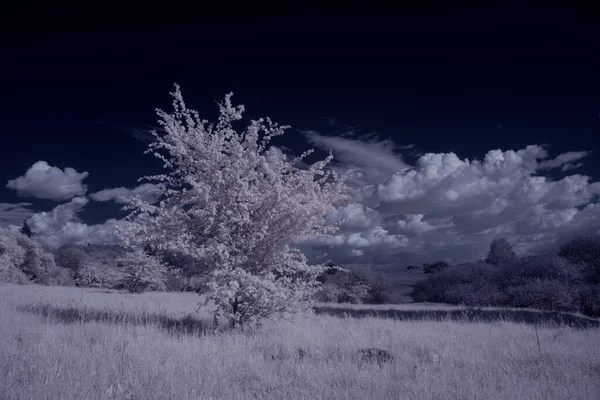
[(77, 83)]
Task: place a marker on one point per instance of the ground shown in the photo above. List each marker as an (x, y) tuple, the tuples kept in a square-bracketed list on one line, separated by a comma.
[(71, 343)]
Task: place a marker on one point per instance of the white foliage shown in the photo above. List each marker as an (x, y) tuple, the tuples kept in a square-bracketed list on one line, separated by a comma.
[(23, 259), (233, 204), (142, 272), (10, 251), (90, 275), (12, 257)]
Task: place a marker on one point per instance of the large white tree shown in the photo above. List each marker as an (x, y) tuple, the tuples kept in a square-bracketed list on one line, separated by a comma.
[(234, 204)]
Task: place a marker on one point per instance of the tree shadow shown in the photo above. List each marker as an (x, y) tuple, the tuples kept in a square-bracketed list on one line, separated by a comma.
[(185, 325), (549, 318)]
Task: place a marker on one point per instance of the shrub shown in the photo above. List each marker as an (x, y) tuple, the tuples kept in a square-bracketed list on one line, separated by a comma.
[(355, 286), (544, 294), (435, 267), (469, 284), (584, 251), (547, 267), (589, 300)]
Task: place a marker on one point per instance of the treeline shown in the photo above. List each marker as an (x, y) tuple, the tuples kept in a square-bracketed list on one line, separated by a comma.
[(568, 280), (23, 260)]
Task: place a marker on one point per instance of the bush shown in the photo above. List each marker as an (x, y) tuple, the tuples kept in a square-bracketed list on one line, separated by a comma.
[(98, 275), (589, 300), (469, 284), (58, 276), (525, 270), (435, 267), (356, 286), (586, 252), (544, 294)]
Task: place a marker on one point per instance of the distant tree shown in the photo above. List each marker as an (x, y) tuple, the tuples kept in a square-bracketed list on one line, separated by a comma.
[(235, 206), (12, 257), (435, 267), (142, 272), (25, 229), (32, 260), (90, 275), (501, 252), (71, 256), (586, 252)]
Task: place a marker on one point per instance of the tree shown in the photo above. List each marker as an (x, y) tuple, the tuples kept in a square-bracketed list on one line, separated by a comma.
[(33, 262), (12, 256), (25, 229), (235, 206), (586, 252), (71, 256), (501, 252), (142, 272)]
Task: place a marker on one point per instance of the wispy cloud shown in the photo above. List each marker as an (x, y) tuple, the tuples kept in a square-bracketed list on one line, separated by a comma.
[(14, 214), (146, 191)]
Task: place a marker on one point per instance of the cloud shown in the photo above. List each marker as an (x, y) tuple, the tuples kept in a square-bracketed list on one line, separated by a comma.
[(450, 208), (14, 214), (375, 158), (565, 161), (51, 183), (147, 192), (61, 226)]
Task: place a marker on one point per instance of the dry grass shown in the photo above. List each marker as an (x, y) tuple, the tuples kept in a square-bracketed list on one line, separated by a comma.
[(67, 343)]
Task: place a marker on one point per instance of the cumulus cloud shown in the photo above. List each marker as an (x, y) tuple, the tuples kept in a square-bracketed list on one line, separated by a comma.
[(51, 183), (61, 225), (147, 192), (450, 208)]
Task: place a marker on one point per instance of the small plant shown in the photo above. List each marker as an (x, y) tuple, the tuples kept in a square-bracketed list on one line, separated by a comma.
[(375, 355)]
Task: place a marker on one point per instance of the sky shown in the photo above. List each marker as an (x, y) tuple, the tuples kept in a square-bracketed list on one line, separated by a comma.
[(468, 123)]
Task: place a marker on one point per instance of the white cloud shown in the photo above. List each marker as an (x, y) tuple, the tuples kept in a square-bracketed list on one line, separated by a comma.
[(565, 161), (147, 192), (61, 226), (450, 208), (51, 183), (376, 158)]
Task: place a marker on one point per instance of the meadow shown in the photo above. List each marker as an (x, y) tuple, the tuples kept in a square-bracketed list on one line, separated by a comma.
[(74, 343)]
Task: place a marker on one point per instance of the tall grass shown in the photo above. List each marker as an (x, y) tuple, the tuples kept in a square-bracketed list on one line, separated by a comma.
[(68, 343)]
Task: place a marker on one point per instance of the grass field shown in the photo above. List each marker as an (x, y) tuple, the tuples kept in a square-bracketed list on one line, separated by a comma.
[(69, 343)]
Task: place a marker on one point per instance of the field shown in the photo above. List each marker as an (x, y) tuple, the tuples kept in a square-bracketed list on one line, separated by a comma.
[(70, 343)]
